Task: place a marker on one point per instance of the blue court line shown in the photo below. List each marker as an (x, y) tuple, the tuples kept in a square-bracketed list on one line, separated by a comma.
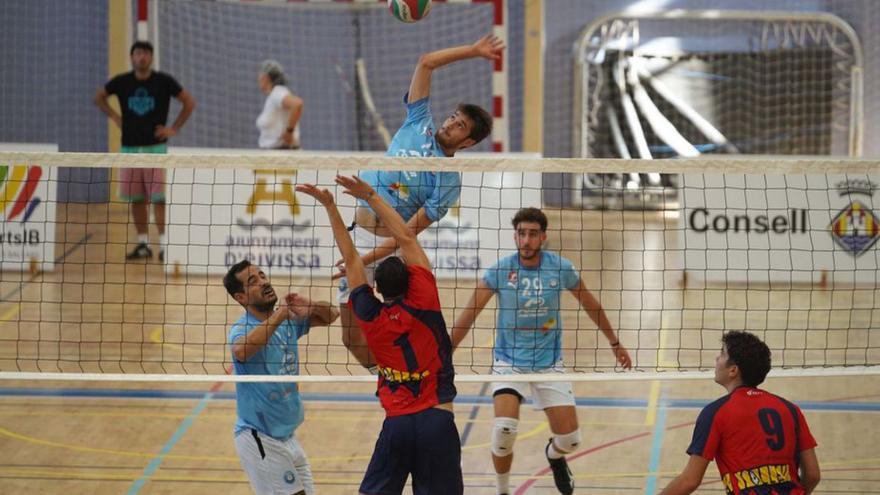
[(57, 260), (371, 399), (473, 414), (154, 464), (656, 445)]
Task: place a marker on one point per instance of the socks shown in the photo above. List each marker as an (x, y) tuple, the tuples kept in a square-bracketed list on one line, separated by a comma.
[(502, 483), (143, 238), (163, 241), (552, 453)]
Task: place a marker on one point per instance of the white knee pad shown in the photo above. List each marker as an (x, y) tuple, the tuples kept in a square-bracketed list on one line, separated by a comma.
[(568, 442), (504, 436)]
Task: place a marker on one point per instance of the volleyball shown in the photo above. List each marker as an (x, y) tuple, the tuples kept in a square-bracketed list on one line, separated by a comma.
[(409, 10)]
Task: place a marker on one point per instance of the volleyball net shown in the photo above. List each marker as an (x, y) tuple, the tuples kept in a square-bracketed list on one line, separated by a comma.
[(782, 248)]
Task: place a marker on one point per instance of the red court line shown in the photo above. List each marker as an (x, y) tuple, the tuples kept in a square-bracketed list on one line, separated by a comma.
[(531, 481)]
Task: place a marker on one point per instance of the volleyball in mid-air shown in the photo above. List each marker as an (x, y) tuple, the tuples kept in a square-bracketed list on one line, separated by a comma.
[(409, 10)]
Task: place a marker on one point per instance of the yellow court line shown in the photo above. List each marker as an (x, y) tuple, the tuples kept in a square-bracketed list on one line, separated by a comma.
[(157, 336), (55, 474), (77, 448), (11, 312), (85, 475), (653, 399), (231, 414), (662, 362)]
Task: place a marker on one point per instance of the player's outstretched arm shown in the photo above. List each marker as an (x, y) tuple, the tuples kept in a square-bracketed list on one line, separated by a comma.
[(488, 47), (354, 266), (465, 320), (417, 224), (689, 480), (810, 474), (594, 309), (406, 238)]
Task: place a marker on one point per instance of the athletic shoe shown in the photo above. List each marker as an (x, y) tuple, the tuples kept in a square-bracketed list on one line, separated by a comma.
[(161, 255), (561, 473), (141, 251)]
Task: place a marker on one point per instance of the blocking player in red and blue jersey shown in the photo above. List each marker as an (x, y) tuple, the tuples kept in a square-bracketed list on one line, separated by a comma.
[(760, 442), (407, 335)]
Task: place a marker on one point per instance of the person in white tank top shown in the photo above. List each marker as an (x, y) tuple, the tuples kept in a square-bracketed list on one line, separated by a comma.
[(279, 121)]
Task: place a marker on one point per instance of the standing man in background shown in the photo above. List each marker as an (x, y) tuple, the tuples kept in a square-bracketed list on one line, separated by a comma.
[(144, 97), (279, 121)]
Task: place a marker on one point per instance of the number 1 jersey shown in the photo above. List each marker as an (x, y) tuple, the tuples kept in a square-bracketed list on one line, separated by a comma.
[(411, 345)]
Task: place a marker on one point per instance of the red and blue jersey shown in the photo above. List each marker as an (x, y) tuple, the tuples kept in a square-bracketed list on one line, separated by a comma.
[(409, 340), (755, 439)]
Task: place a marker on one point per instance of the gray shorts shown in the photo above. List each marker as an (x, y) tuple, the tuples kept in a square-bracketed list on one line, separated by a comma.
[(274, 467)]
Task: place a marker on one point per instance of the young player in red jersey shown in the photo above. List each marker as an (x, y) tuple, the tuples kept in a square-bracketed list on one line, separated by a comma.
[(407, 335), (760, 442)]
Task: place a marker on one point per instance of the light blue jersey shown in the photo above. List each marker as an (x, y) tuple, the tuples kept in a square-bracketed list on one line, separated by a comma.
[(406, 192), (273, 409), (528, 334)]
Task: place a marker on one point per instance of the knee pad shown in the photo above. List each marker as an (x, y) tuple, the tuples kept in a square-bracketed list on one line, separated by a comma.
[(568, 442), (504, 436)]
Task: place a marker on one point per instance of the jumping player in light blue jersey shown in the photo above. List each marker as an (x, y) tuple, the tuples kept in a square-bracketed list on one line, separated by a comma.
[(528, 339), (264, 342), (421, 198)]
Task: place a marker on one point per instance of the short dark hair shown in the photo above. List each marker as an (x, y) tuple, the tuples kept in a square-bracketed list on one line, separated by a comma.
[(530, 215), (230, 280), (482, 120), (141, 45), (392, 278), (750, 354)]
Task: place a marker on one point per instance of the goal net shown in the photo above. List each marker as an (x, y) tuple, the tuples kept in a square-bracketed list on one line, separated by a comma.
[(349, 61), (687, 83), (782, 248)]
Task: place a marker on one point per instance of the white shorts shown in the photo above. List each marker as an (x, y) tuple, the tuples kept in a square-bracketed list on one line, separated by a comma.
[(544, 394), (282, 467), (364, 241)]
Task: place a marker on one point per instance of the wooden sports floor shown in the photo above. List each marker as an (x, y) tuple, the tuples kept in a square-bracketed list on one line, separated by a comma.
[(96, 313)]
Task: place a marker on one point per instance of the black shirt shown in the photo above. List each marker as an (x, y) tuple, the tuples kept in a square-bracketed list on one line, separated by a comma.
[(144, 105)]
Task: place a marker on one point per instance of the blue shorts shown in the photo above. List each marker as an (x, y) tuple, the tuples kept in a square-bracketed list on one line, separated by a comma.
[(425, 444)]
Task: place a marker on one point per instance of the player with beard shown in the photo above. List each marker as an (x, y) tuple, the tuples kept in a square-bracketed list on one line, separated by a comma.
[(264, 342), (528, 339)]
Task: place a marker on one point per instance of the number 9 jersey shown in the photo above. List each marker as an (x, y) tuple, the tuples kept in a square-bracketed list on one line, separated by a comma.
[(755, 439), (411, 344)]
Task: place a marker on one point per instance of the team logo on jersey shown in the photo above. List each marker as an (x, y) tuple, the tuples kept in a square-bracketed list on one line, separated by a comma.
[(754, 478), (512, 278), (554, 283), (855, 228), (399, 188), (397, 376), (428, 132), (141, 102), (289, 477), (548, 325)]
